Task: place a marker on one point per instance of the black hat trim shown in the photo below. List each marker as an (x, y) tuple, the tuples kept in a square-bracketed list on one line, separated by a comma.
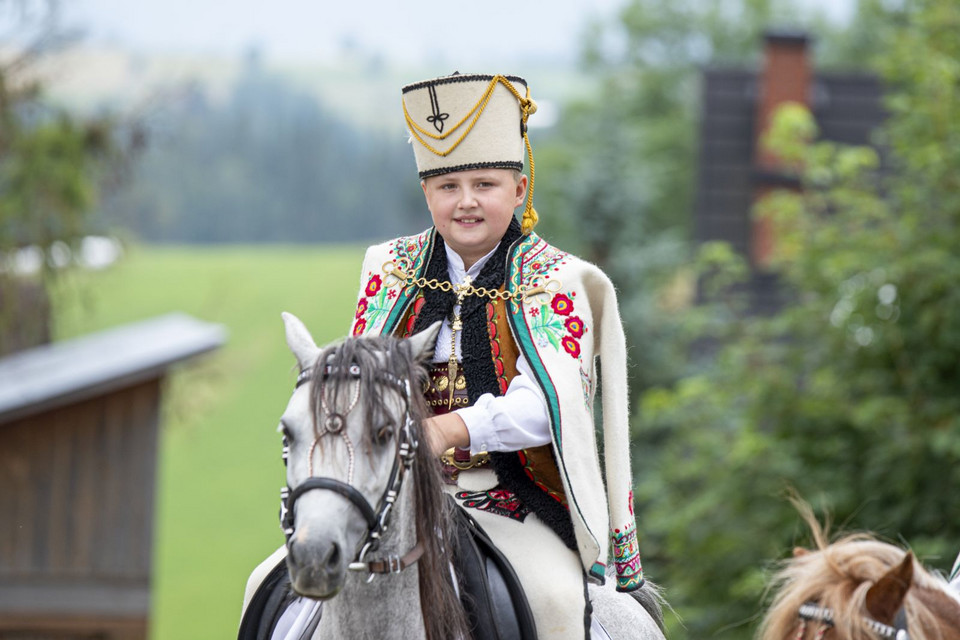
[(473, 165), (468, 78)]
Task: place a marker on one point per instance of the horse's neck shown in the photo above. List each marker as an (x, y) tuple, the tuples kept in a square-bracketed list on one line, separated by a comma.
[(389, 606)]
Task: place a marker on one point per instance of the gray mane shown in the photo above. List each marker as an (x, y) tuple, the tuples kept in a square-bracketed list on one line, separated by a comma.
[(442, 613)]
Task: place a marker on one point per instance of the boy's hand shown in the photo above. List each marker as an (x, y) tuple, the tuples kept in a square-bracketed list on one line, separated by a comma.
[(446, 431)]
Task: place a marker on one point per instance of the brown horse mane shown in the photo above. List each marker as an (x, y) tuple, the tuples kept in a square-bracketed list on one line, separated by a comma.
[(838, 575), (442, 612)]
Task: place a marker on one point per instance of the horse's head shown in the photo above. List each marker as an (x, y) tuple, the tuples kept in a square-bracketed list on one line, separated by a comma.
[(351, 431), (859, 588)]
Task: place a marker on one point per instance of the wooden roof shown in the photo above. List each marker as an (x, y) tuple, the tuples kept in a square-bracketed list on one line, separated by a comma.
[(65, 372)]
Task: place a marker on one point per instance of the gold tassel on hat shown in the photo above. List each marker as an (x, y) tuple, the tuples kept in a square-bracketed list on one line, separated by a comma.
[(527, 107)]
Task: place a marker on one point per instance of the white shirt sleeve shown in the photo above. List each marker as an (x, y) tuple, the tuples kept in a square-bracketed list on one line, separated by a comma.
[(516, 420)]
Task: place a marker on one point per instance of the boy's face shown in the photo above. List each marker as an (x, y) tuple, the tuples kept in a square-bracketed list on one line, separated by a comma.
[(472, 209)]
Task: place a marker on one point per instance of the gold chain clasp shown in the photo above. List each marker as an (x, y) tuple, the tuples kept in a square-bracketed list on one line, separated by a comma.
[(548, 288), (396, 269)]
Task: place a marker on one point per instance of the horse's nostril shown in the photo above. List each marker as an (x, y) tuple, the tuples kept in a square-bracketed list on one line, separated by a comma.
[(333, 557)]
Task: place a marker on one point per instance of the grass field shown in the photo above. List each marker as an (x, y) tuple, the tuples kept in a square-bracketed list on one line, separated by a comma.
[(219, 470)]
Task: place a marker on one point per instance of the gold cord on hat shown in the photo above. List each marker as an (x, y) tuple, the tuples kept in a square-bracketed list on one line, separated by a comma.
[(527, 107)]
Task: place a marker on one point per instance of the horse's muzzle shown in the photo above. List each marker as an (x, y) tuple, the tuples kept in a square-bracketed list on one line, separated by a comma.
[(316, 570)]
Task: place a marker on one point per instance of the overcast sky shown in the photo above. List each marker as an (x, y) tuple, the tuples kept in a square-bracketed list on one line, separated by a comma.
[(405, 30)]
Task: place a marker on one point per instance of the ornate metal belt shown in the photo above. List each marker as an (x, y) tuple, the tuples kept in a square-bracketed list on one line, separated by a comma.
[(439, 387), (444, 394)]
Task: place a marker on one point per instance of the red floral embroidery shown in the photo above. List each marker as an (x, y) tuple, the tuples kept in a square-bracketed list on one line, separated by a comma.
[(359, 328), (391, 294), (534, 312), (561, 304), (497, 501), (361, 308), (575, 326), (571, 345), (373, 286)]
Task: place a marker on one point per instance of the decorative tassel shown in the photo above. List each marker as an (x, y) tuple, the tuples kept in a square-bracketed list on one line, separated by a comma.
[(530, 219)]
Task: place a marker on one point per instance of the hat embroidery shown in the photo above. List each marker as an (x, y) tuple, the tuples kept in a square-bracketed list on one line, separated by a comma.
[(436, 118)]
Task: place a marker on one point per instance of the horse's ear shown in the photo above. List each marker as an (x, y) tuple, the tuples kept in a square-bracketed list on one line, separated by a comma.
[(886, 596), (300, 341), (425, 342)]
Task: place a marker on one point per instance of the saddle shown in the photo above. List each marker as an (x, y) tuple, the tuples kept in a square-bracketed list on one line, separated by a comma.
[(492, 597)]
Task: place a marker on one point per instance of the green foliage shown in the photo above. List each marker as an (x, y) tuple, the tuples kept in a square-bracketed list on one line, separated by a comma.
[(51, 165), (49, 178), (616, 180), (50, 160), (849, 394)]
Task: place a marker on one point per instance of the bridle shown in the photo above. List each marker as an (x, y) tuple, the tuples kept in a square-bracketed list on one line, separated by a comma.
[(377, 520), (812, 612)]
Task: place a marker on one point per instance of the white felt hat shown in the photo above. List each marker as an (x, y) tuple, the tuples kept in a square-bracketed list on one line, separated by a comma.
[(470, 121)]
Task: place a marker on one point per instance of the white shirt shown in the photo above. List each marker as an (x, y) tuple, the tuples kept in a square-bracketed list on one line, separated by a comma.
[(516, 420)]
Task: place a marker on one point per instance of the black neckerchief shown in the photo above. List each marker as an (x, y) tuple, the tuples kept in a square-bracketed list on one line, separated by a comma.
[(479, 371)]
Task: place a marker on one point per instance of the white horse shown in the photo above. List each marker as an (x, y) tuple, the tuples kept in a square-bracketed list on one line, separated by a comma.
[(368, 529)]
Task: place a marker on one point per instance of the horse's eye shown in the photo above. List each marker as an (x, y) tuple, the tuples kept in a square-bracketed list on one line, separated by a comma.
[(384, 433)]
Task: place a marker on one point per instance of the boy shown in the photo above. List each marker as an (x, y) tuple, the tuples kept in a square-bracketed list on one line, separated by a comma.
[(513, 377)]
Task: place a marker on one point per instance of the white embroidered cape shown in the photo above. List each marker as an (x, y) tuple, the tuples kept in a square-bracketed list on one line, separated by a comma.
[(562, 331)]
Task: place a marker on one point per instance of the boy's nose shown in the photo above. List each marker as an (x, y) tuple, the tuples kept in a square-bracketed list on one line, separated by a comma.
[(467, 199)]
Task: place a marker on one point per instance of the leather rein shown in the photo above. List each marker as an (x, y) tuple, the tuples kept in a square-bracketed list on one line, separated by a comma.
[(377, 519)]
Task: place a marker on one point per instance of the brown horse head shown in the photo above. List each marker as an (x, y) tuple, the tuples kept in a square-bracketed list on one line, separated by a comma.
[(858, 588)]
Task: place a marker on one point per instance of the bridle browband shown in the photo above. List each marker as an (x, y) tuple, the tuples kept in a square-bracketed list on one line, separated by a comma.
[(811, 611), (377, 520)]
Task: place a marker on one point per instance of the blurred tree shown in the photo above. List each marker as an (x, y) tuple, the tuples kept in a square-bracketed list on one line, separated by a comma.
[(849, 395), (618, 175), (267, 163), (50, 164)]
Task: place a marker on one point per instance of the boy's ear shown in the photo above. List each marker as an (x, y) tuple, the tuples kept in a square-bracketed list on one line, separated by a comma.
[(521, 188)]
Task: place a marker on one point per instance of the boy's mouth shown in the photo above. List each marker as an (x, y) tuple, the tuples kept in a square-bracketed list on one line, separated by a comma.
[(468, 220)]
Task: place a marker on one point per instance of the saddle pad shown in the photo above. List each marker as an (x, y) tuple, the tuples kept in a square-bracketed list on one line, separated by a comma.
[(272, 600)]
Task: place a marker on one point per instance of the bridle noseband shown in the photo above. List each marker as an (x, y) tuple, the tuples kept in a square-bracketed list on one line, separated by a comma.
[(377, 520), (811, 611)]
